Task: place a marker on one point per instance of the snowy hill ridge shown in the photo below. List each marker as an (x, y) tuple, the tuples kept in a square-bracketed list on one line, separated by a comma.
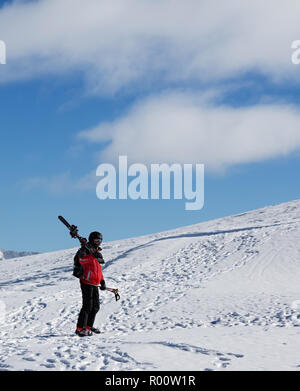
[(219, 295), (8, 254)]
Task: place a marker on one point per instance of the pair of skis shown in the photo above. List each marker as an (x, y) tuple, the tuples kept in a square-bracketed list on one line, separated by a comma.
[(74, 234)]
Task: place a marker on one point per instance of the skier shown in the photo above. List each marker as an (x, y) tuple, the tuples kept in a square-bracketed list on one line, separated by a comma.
[(87, 267)]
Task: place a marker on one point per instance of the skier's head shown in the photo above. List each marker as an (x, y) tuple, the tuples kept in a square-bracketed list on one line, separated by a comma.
[(95, 239)]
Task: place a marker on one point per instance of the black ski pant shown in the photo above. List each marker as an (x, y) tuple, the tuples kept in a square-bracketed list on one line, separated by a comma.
[(90, 305)]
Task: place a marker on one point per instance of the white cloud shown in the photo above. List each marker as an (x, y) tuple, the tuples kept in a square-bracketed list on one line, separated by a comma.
[(121, 43), (185, 128)]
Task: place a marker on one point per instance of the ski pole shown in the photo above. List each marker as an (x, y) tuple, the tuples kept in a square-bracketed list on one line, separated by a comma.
[(115, 291)]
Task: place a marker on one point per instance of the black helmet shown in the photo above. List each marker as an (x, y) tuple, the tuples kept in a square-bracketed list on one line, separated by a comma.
[(95, 238)]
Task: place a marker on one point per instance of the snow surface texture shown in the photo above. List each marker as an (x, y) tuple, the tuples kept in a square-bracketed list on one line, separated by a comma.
[(220, 295)]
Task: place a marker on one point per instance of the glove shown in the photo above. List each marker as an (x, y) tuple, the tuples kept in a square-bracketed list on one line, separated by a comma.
[(102, 285)]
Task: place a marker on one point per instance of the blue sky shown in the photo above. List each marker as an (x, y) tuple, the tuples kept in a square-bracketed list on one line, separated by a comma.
[(50, 93)]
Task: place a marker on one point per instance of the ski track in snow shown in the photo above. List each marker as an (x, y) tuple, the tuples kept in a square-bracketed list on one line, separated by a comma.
[(239, 271)]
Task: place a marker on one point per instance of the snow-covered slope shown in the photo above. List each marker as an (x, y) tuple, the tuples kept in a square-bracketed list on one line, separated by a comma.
[(220, 295)]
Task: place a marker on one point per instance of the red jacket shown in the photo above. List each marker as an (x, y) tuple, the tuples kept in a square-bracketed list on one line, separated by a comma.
[(91, 270)]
